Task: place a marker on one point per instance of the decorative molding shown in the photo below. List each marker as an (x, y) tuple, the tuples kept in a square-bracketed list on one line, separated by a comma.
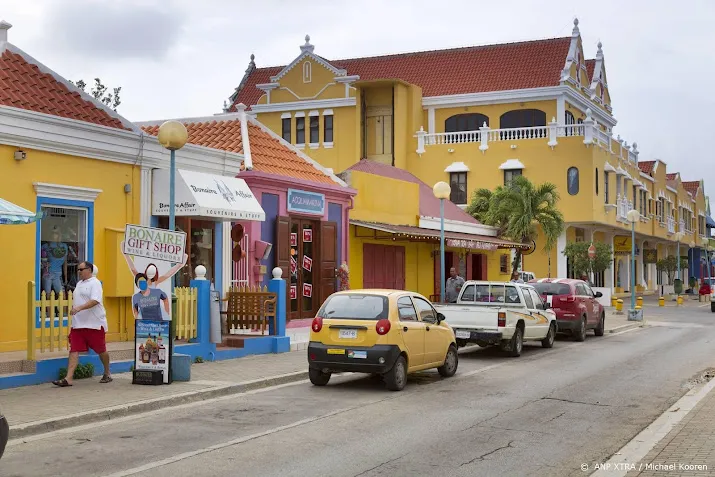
[(671, 189), (307, 98), (300, 114), (328, 112), (328, 145), (303, 105), (647, 177), (145, 210), (431, 126), (512, 164), (314, 113), (286, 116), (457, 167), (59, 191), (307, 52), (608, 167), (433, 223)]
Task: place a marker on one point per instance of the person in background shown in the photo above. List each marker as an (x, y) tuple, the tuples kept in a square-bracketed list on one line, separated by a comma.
[(454, 285), (515, 278), (89, 324)]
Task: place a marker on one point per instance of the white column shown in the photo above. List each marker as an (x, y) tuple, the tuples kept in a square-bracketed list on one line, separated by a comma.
[(430, 121), (561, 263), (609, 275), (145, 196), (226, 260), (640, 278), (561, 111)]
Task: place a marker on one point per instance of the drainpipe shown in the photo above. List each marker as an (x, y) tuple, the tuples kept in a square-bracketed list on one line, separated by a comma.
[(247, 161)]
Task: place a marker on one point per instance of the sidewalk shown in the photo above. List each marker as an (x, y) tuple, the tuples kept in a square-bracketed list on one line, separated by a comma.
[(43, 408)]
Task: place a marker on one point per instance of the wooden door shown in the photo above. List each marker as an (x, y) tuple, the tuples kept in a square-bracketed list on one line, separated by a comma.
[(283, 257), (383, 266), (328, 240)]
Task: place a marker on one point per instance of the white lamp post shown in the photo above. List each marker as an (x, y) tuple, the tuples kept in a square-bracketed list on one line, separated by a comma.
[(633, 217), (441, 190)]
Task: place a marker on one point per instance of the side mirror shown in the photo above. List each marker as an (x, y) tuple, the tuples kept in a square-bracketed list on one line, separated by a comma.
[(598, 295), (546, 306), (440, 318)]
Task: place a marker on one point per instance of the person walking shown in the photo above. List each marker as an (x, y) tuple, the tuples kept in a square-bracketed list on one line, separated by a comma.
[(516, 278), (453, 286), (89, 324)]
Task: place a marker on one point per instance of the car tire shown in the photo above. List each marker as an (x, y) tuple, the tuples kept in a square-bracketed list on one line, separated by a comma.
[(461, 343), (712, 306), (317, 377), (451, 362), (396, 378), (548, 342), (579, 333), (601, 328), (516, 344)]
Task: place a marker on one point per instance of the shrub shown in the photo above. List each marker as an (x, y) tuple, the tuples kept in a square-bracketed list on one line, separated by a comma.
[(83, 371)]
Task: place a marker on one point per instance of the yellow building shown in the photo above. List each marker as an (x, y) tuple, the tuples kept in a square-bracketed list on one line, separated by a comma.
[(88, 170), (477, 116)]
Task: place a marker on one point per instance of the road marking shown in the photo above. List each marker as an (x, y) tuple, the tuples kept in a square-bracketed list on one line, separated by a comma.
[(640, 445)]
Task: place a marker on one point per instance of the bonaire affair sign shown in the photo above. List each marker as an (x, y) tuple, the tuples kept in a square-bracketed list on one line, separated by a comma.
[(155, 244)]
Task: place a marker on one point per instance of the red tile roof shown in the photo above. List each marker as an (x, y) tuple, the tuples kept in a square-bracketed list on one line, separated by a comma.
[(671, 177), (590, 67), (429, 204), (268, 153), (692, 187), (646, 166), (475, 69), (23, 85)]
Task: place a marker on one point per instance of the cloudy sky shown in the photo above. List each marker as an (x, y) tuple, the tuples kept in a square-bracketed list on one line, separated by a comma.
[(177, 58)]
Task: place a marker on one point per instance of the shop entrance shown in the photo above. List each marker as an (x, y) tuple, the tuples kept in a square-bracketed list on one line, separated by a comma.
[(200, 243), (306, 250), (478, 269)]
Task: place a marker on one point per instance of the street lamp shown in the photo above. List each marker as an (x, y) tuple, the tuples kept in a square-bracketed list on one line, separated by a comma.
[(678, 237), (633, 216), (442, 191), (172, 136)]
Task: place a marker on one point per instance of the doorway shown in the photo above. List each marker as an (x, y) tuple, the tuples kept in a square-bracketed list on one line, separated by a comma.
[(479, 267), (200, 244)]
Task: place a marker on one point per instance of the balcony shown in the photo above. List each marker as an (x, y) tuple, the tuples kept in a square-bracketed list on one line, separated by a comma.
[(671, 225), (624, 206)]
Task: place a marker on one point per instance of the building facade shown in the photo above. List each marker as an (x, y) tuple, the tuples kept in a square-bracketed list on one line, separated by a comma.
[(476, 117)]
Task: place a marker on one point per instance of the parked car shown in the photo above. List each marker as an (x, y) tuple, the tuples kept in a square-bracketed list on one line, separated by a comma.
[(575, 304), (4, 433), (527, 276), (502, 314), (387, 333)]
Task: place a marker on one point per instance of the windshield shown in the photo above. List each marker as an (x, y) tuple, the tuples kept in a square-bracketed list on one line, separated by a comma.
[(552, 288), (355, 306)]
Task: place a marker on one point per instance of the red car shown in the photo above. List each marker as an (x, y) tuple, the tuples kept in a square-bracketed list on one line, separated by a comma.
[(575, 305)]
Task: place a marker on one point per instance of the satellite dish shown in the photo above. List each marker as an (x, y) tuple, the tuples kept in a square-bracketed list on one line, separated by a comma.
[(237, 233)]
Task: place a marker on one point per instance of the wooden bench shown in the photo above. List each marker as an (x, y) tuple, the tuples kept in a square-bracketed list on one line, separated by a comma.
[(249, 308)]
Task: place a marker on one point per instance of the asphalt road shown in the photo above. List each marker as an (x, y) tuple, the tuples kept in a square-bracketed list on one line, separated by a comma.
[(545, 413)]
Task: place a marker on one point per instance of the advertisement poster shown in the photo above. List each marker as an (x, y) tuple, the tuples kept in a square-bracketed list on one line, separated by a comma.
[(152, 342), (293, 265), (307, 235), (307, 290), (307, 263), (293, 292), (293, 240), (153, 256)]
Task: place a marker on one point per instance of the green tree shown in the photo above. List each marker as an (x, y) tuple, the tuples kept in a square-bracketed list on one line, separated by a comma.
[(518, 210), (101, 93), (669, 265), (577, 253)]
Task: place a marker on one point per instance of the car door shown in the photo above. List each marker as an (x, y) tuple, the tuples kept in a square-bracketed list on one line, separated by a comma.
[(435, 346), (530, 318), (412, 331), (542, 321), (594, 315)]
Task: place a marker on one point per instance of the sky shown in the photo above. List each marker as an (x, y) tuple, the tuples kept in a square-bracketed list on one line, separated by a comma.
[(183, 58)]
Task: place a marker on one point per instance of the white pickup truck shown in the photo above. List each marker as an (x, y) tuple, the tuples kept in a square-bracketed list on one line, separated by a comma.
[(498, 313)]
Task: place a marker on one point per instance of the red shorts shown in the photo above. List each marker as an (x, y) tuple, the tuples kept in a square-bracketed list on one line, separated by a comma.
[(82, 339)]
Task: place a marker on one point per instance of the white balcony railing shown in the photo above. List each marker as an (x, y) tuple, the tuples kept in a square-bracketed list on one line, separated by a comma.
[(671, 225), (681, 227), (624, 206)]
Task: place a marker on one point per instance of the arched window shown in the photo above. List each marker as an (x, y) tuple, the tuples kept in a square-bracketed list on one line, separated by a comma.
[(570, 120), (465, 122), (523, 118), (572, 180), (307, 72)]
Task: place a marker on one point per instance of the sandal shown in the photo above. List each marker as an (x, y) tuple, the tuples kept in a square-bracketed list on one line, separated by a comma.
[(61, 383), (106, 379)]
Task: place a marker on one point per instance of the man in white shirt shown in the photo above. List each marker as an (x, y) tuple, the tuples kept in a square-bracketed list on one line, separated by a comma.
[(89, 324)]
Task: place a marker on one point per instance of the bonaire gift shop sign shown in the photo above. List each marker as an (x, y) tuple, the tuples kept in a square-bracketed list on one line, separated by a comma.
[(156, 244)]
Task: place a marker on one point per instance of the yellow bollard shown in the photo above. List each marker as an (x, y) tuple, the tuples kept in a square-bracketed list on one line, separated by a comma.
[(619, 305), (638, 307), (613, 300), (680, 300), (661, 301), (639, 301)]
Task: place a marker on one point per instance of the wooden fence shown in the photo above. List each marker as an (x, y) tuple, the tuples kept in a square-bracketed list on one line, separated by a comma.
[(186, 313), (55, 322), (249, 308)]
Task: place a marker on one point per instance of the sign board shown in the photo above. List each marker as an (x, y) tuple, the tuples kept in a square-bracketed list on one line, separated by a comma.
[(304, 202), (152, 345), (471, 244), (650, 255)]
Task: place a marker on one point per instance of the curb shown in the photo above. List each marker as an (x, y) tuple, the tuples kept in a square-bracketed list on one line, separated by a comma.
[(107, 414), (628, 326)]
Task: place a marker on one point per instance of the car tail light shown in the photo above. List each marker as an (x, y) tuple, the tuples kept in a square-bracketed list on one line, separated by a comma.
[(382, 327), (568, 299), (317, 324), (501, 319)]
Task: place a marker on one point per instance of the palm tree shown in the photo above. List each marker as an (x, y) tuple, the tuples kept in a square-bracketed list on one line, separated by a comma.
[(518, 209)]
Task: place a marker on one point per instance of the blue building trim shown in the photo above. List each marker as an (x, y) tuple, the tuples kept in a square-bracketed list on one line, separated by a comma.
[(218, 256), (52, 202), (270, 204), (154, 221), (335, 214)]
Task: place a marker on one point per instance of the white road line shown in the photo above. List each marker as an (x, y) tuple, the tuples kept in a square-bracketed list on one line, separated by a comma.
[(639, 446)]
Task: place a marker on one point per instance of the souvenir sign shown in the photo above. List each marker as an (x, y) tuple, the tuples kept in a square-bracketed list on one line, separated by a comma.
[(307, 235), (307, 290), (307, 263), (293, 240), (293, 292), (152, 341), (293, 265)]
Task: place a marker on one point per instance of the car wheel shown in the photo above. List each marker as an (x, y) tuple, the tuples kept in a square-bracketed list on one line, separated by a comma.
[(396, 378), (601, 328), (712, 306), (317, 377), (517, 343), (548, 342), (579, 334), (451, 361), (461, 343)]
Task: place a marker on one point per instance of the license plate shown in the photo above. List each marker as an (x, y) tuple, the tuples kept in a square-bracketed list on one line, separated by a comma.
[(347, 334), (357, 354), (463, 334), (336, 351)]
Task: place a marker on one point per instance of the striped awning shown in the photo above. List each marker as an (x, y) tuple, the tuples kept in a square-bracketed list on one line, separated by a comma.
[(11, 214)]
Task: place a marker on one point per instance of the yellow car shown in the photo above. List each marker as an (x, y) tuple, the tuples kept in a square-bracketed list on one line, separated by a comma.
[(388, 333)]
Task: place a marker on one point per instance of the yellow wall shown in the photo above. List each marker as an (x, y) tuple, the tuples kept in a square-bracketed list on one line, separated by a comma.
[(113, 209), (385, 200)]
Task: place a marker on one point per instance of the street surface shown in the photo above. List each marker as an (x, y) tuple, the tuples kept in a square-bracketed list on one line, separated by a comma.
[(545, 413)]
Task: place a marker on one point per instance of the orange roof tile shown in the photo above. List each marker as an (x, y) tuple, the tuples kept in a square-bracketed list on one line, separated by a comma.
[(23, 85), (476, 69), (590, 67), (268, 153), (692, 187), (671, 177), (646, 166)]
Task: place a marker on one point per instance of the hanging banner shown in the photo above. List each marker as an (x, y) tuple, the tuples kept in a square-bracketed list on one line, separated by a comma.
[(152, 342), (293, 292), (307, 263), (293, 240), (293, 265), (307, 235), (307, 290)]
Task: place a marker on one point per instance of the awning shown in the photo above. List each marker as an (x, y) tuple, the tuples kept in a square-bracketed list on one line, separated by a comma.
[(205, 195), (709, 221), (452, 239), (11, 214)]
